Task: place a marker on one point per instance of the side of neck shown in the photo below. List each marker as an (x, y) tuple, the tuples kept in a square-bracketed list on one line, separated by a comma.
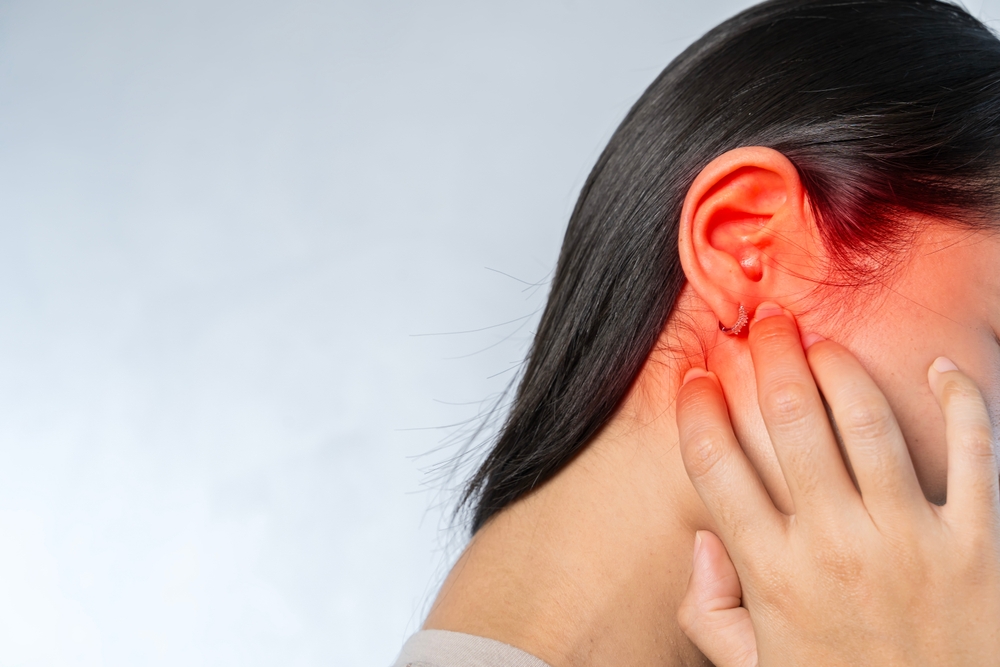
[(589, 568)]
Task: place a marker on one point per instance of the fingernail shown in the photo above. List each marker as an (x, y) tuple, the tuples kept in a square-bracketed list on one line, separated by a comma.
[(767, 309), (697, 549), (810, 339), (943, 365), (694, 373)]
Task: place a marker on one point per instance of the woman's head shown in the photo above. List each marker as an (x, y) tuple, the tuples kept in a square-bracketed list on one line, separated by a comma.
[(810, 152)]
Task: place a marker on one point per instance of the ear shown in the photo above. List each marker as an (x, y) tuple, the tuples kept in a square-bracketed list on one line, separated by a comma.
[(747, 233)]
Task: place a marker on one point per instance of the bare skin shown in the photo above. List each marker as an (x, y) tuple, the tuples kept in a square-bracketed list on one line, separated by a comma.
[(866, 570), (592, 566)]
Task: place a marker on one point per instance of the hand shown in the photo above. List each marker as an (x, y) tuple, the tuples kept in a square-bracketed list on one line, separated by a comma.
[(710, 613), (880, 577)]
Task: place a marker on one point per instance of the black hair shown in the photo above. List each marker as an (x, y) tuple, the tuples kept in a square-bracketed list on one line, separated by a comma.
[(885, 107)]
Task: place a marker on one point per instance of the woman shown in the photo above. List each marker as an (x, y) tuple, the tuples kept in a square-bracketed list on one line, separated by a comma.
[(836, 160)]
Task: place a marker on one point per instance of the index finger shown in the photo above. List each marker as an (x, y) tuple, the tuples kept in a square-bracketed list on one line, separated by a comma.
[(796, 418), (722, 475)]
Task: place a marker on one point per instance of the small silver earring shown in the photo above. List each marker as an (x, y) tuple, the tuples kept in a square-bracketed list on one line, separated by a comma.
[(741, 322)]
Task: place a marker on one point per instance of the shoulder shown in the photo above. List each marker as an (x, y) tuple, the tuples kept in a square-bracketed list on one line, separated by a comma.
[(442, 648)]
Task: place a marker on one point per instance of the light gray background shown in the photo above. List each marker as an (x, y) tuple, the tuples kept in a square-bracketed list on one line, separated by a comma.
[(222, 224)]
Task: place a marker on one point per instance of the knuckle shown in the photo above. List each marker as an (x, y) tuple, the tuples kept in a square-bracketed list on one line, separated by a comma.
[(786, 403), (983, 547), (703, 452), (866, 421), (772, 589), (977, 440), (691, 395), (837, 564), (959, 391)]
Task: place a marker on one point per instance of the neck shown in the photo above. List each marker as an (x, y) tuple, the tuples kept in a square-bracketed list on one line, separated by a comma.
[(590, 567)]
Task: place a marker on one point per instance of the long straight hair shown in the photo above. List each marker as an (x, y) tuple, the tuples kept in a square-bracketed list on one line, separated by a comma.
[(886, 107)]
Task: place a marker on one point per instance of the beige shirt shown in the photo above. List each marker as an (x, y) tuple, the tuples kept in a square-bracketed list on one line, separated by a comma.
[(441, 648)]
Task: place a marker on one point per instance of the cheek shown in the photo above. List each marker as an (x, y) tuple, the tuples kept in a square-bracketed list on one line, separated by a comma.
[(902, 376), (945, 302), (922, 425)]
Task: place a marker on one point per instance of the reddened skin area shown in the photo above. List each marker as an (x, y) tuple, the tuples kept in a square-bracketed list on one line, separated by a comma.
[(591, 567), (748, 234)]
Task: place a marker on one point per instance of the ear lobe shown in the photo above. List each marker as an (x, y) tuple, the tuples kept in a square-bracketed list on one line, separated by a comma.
[(746, 230)]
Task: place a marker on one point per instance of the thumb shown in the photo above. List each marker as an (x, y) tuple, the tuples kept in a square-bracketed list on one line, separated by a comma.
[(710, 613)]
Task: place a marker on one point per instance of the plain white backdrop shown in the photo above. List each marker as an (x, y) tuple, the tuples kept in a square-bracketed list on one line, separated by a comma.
[(224, 229)]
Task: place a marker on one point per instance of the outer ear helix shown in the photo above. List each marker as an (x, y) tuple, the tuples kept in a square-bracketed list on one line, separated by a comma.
[(741, 321)]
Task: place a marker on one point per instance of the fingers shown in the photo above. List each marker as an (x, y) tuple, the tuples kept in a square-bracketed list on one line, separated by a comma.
[(795, 417), (721, 473), (972, 462), (710, 613), (869, 432)]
